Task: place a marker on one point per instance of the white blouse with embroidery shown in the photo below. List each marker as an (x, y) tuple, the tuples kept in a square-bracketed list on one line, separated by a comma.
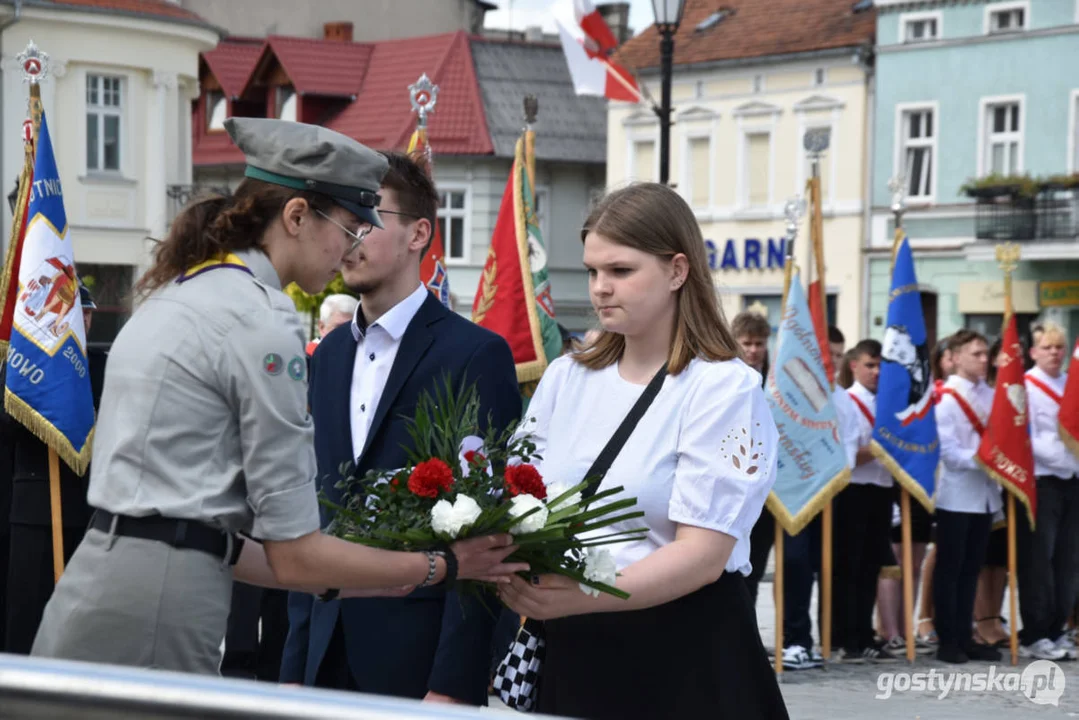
[(704, 454)]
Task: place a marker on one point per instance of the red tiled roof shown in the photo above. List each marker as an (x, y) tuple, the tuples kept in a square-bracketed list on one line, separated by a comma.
[(160, 8), (232, 61), (319, 67), (382, 116), (755, 28)]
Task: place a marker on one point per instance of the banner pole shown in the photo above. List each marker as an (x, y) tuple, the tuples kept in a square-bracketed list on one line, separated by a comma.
[(778, 592), (908, 573)]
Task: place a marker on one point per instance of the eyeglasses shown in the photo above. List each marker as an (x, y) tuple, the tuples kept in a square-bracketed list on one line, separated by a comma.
[(357, 238), (394, 212)]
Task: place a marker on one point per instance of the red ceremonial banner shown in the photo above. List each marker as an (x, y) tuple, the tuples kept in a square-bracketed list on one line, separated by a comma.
[(1069, 406), (1006, 453)]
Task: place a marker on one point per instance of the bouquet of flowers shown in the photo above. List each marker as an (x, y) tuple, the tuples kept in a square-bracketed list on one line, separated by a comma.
[(459, 484)]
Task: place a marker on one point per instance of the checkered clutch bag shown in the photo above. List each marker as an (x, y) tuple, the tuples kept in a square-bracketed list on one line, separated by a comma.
[(518, 675)]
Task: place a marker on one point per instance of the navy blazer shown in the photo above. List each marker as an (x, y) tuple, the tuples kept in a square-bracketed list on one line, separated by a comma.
[(431, 640)]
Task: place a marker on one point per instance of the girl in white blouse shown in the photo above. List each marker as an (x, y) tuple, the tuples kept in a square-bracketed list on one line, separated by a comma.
[(700, 462)]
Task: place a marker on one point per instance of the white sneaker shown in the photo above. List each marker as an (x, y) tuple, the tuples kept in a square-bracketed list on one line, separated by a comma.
[(795, 657), (1065, 643), (1044, 649), (816, 657)]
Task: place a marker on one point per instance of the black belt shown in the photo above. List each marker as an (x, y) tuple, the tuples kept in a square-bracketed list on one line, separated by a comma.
[(180, 534)]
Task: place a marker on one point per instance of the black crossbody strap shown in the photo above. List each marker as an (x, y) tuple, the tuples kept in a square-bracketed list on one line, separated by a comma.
[(621, 435)]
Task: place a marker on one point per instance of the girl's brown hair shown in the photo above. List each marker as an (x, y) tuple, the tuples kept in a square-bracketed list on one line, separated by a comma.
[(654, 219), (215, 225)]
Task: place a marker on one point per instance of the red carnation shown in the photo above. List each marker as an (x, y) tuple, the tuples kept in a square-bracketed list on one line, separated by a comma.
[(429, 478), (525, 480), (473, 455)]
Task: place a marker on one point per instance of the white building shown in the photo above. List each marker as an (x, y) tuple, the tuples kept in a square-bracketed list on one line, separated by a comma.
[(118, 102)]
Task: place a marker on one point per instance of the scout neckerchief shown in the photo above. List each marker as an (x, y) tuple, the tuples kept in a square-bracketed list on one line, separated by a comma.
[(1044, 387), (231, 260), (975, 421)]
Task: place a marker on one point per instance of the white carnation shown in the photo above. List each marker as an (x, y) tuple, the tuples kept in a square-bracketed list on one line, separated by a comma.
[(534, 522), (599, 566), (558, 489), (447, 519)]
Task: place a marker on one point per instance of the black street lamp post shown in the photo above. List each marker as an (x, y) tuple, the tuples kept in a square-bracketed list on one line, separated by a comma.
[(668, 16)]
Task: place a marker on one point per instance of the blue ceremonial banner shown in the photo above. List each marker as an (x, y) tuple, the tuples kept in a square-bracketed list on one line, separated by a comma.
[(47, 379), (905, 433), (812, 463)]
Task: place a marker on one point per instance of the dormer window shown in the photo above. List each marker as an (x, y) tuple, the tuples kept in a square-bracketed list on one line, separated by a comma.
[(216, 110), (286, 104)]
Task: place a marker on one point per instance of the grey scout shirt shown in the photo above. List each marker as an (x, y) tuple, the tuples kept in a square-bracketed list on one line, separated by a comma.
[(204, 412)]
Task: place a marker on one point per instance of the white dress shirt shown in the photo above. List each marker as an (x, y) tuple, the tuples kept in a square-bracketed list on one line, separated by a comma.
[(1051, 456), (704, 454), (963, 485), (376, 348), (847, 413), (872, 473)]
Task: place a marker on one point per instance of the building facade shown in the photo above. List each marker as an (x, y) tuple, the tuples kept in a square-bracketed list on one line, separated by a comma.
[(745, 92), (118, 102), (976, 108), (361, 89)]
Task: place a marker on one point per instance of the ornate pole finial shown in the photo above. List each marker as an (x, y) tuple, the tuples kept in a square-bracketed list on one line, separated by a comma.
[(794, 209), (815, 142), (898, 187), (531, 104), (1008, 255), (424, 96), (34, 63)]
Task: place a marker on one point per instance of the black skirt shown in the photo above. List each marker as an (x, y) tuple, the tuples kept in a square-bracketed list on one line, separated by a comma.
[(697, 656)]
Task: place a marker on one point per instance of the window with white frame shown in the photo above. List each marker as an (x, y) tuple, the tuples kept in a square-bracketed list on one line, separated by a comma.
[(1010, 18), (644, 160), (699, 172), (918, 137), (452, 214), (758, 152), (1003, 138), (104, 115), (921, 29), (543, 212)]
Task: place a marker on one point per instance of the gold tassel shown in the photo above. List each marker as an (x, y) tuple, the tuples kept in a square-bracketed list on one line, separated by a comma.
[(32, 420)]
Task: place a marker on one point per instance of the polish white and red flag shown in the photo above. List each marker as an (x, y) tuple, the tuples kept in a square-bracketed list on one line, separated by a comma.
[(589, 46)]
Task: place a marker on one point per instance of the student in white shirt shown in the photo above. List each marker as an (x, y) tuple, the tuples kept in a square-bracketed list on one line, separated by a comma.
[(701, 463), (752, 331), (863, 521), (966, 499), (1049, 556)]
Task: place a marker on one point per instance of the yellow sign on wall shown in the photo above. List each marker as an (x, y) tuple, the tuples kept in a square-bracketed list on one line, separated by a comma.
[(1059, 293)]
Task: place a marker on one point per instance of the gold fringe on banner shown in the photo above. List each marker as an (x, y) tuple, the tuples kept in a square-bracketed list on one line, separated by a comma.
[(794, 524), (10, 273), (532, 370), (77, 460), (1007, 485), (903, 477), (1070, 442)]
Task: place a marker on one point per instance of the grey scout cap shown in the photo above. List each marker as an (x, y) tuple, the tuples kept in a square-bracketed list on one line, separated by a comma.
[(309, 157)]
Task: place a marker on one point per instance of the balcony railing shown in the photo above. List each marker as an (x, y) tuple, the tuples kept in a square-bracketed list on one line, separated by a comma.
[(1050, 215), (180, 195)]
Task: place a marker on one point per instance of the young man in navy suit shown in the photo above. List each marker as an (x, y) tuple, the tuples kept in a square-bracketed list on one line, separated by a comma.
[(365, 379)]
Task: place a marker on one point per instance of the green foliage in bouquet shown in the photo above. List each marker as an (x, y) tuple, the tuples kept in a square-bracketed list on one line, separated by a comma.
[(462, 482)]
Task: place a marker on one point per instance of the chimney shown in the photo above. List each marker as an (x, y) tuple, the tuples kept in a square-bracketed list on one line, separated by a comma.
[(337, 31), (534, 34), (616, 15)]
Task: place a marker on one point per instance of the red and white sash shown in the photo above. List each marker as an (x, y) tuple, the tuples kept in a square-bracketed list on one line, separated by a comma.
[(864, 408), (975, 421), (1044, 387)]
